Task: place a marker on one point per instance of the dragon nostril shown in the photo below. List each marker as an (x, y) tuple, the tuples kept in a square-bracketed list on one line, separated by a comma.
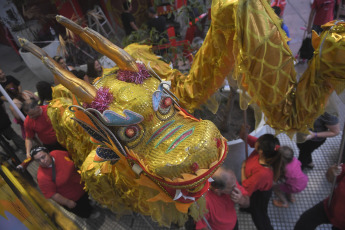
[(194, 167)]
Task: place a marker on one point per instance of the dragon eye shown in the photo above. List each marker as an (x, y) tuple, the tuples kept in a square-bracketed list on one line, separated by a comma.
[(165, 105), (166, 102), (129, 133)]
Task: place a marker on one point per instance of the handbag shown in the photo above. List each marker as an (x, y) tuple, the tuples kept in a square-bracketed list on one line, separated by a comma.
[(306, 51)]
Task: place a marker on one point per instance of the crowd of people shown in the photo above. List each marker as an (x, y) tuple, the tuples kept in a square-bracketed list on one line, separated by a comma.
[(57, 176), (270, 168)]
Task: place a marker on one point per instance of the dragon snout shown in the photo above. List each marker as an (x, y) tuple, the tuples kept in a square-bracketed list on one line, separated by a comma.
[(184, 148)]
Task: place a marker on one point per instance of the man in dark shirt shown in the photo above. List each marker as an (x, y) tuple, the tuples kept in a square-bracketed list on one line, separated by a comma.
[(127, 18), (159, 23), (5, 80)]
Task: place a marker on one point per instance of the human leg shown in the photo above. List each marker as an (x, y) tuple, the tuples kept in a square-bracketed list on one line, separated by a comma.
[(10, 134), (281, 201), (259, 209), (290, 197), (305, 151), (83, 208), (312, 218)]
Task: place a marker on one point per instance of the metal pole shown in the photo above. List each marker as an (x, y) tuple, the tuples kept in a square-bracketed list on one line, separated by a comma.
[(3, 91), (341, 149), (204, 218), (245, 132)]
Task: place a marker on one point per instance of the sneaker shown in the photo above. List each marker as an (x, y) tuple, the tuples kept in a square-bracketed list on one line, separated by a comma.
[(310, 165), (95, 215)]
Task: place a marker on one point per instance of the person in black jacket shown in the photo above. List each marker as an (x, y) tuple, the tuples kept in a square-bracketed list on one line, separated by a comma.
[(158, 23), (7, 131), (128, 19)]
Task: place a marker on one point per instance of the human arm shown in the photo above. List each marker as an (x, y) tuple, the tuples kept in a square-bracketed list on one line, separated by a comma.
[(134, 27), (333, 130), (311, 20), (244, 133), (58, 198), (243, 175), (332, 172), (14, 113), (28, 95), (239, 198), (28, 146)]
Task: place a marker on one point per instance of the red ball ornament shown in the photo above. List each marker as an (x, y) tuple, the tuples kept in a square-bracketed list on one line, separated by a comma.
[(167, 102), (130, 132)]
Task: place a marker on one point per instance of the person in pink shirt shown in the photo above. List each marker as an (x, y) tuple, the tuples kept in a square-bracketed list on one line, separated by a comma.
[(224, 193), (292, 177)]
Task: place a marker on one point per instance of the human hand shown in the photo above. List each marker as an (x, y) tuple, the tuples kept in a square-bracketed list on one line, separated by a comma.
[(71, 204), (20, 168), (310, 136), (236, 195), (336, 170), (309, 29), (244, 131)]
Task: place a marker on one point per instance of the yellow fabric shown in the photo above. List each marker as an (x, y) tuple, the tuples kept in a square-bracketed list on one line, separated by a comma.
[(120, 191), (68, 132), (116, 186), (212, 63), (264, 68), (325, 73)]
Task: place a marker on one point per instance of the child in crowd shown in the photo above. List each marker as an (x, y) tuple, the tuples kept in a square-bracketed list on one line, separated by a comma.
[(294, 179)]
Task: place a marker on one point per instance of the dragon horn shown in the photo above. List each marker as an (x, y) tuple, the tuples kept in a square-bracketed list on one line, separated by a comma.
[(101, 44), (82, 89)]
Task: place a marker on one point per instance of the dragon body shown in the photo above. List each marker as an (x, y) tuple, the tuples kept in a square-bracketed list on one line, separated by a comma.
[(139, 150)]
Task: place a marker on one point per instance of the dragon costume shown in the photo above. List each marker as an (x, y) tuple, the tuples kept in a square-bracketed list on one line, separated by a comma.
[(139, 150)]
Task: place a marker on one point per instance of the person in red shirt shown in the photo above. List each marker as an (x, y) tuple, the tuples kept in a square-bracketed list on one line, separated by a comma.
[(322, 11), (220, 201), (59, 180), (322, 213), (258, 173), (38, 122)]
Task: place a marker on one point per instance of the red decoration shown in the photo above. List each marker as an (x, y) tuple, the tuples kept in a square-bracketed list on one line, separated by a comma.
[(167, 102), (195, 167), (130, 132)]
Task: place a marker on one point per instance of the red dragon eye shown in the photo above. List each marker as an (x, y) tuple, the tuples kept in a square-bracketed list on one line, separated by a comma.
[(167, 102), (130, 132)]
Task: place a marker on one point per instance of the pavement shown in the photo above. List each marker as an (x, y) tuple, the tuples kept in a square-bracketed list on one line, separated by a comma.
[(295, 16)]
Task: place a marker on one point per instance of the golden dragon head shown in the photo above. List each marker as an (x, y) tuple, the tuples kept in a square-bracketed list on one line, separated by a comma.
[(132, 115)]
